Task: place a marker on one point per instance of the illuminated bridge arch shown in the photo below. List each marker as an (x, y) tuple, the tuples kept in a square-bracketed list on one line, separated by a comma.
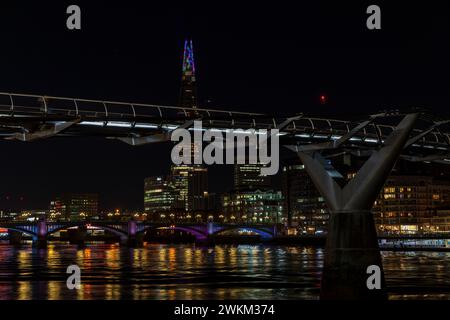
[(197, 232), (265, 232), (28, 230), (118, 229)]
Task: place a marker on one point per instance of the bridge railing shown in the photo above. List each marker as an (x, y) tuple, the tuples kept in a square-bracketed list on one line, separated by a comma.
[(28, 104), (156, 117)]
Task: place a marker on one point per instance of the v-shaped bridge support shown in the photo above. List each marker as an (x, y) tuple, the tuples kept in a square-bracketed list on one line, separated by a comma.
[(352, 244)]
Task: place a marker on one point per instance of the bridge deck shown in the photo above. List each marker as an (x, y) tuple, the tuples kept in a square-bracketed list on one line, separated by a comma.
[(23, 113)]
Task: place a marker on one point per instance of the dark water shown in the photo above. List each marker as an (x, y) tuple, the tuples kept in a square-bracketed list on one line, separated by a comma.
[(160, 271)]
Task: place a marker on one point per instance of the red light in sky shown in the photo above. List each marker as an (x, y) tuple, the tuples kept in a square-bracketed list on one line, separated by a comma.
[(323, 99)]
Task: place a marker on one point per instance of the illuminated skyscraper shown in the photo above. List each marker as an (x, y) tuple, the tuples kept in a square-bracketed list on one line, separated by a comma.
[(179, 177), (188, 95), (305, 208), (191, 185), (159, 197), (248, 177), (189, 181)]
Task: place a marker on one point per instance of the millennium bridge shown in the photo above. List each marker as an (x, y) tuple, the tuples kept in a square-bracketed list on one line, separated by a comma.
[(382, 138)]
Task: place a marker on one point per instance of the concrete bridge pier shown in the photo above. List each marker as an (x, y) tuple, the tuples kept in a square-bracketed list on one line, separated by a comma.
[(134, 239), (40, 240), (352, 246), (352, 243)]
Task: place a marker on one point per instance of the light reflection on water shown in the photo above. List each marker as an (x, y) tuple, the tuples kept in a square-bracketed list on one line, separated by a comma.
[(417, 275), (160, 271)]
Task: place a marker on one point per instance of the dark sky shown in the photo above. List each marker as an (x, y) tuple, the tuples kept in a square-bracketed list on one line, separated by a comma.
[(274, 57)]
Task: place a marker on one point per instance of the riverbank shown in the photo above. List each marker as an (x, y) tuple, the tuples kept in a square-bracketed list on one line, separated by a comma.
[(397, 244), (403, 249)]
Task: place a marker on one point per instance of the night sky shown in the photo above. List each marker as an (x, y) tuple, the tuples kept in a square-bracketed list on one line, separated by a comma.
[(268, 57)]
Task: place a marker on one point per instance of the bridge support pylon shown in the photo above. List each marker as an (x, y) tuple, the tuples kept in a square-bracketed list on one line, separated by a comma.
[(352, 243), (40, 240), (134, 239)]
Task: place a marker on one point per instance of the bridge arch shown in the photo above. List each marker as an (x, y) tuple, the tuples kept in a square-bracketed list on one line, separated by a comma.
[(198, 234), (122, 234), (265, 233), (18, 229)]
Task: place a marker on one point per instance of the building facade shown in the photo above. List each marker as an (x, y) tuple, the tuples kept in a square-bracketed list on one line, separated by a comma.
[(248, 177), (159, 197), (252, 206), (179, 196), (414, 200), (190, 183), (413, 205), (74, 206), (198, 189), (305, 209)]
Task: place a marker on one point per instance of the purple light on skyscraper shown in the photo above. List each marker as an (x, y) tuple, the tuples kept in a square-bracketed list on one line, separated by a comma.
[(188, 57)]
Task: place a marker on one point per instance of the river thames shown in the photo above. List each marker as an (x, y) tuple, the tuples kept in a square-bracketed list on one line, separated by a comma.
[(187, 271)]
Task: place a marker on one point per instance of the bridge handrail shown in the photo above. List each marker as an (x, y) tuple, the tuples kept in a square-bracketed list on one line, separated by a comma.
[(110, 102)]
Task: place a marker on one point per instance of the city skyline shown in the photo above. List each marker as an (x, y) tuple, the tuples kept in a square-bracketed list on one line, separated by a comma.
[(332, 181), (237, 59)]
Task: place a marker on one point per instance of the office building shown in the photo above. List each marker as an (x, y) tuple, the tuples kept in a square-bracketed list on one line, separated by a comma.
[(190, 183), (248, 177), (305, 209), (252, 206), (159, 197), (413, 205), (74, 206)]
